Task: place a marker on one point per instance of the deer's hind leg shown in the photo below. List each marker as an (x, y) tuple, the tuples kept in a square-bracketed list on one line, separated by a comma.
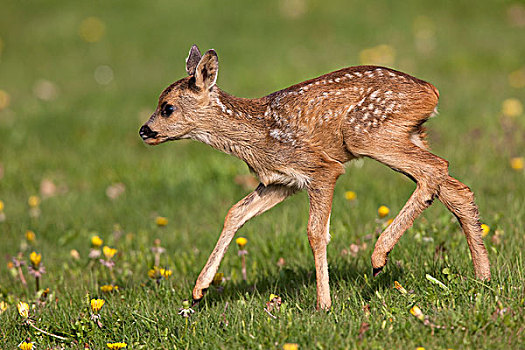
[(459, 200), (427, 170), (430, 173)]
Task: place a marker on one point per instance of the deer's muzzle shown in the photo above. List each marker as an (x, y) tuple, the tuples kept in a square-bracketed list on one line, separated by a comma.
[(146, 133)]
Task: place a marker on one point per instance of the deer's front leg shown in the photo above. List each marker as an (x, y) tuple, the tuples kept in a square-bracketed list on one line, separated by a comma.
[(318, 236), (257, 202)]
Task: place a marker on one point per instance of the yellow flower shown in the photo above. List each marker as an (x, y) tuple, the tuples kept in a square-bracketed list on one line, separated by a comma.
[(241, 242), (25, 346), (161, 221), (153, 272), (1, 205), (273, 296), (116, 345), (109, 252), (92, 29), (96, 241), (35, 258), (416, 311), (96, 305), (30, 236), (33, 201), (382, 55), (165, 273), (383, 211), (217, 279), (350, 195), (108, 288), (485, 229), (420, 348), (290, 346), (512, 107), (3, 306), (23, 309), (4, 99), (400, 288), (157, 273), (517, 163)]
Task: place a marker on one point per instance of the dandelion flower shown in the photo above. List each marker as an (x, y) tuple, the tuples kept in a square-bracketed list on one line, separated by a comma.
[(30, 236), (290, 346), (350, 195), (512, 107), (152, 273), (3, 306), (108, 288), (2, 214), (420, 348), (165, 273), (96, 305), (416, 311), (4, 99), (383, 55), (485, 229), (92, 29), (96, 241), (161, 221), (23, 309), (517, 163), (109, 252), (157, 273), (241, 242), (25, 345), (35, 259), (33, 201), (383, 211), (116, 345), (400, 288)]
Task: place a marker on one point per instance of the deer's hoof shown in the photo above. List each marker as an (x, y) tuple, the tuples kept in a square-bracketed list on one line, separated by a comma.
[(377, 271), (198, 294), (379, 260)]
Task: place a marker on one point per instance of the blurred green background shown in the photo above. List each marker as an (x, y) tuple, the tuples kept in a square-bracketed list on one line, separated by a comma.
[(78, 79)]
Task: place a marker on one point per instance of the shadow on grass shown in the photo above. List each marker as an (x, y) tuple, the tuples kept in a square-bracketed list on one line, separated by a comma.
[(298, 282)]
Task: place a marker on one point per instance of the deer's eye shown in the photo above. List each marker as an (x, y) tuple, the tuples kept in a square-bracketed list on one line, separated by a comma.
[(167, 110)]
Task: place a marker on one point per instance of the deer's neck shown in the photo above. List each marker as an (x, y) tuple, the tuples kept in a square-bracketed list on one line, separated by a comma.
[(233, 125)]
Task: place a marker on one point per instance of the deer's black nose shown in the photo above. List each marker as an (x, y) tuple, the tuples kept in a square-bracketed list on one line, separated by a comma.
[(145, 132)]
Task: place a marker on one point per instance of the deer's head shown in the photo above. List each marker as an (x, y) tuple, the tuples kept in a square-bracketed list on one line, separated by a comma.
[(183, 103)]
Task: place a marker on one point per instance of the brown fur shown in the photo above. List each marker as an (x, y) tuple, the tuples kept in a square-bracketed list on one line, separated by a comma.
[(300, 137)]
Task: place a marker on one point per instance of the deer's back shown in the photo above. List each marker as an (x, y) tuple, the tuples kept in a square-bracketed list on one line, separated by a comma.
[(362, 100)]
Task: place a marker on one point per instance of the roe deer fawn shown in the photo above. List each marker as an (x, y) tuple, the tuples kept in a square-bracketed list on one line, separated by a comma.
[(301, 137)]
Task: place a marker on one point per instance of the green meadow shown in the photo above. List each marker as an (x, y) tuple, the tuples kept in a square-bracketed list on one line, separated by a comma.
[(79, 78)]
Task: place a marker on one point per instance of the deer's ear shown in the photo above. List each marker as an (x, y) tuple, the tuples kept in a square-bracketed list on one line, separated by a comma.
[(193, 60), (207, 70)]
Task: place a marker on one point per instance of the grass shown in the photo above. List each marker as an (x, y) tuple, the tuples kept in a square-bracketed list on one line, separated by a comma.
[(84, 138)]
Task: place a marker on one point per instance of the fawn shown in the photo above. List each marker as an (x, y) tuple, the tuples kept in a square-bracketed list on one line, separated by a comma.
[(300, 138)]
